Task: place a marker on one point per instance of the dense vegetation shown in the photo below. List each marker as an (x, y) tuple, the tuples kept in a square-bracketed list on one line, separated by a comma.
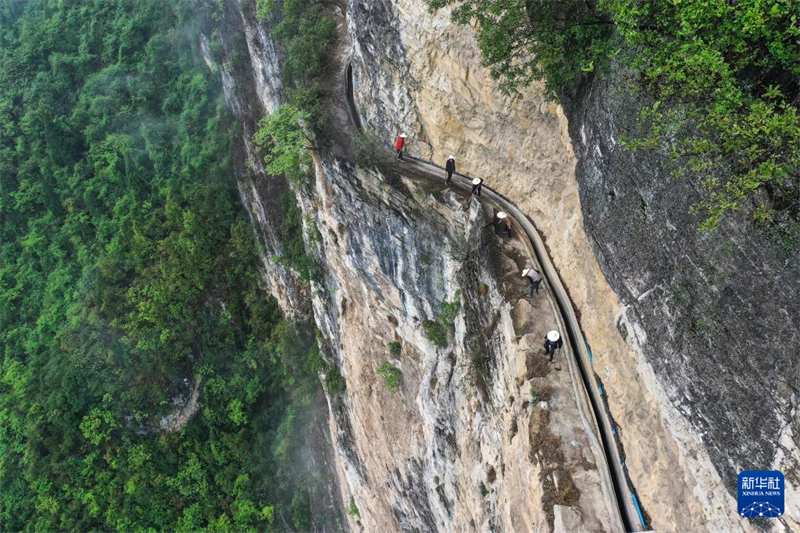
[(721, 78), (305, 35), (126, 273)]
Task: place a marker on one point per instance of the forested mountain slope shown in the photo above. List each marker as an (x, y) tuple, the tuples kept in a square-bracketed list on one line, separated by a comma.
[(128, 277)]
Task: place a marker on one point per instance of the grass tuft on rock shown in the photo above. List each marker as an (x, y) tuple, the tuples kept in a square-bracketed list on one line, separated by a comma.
[(391, 376)]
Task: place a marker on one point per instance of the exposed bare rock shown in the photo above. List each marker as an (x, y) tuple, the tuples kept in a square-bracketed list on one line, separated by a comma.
[(185, 409), (437, 456)]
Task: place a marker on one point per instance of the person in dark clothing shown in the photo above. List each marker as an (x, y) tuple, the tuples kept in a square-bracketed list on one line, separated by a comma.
[(450, 167), (477, 185), (399, 145), (552, 343), (534, 280), (503, 220)]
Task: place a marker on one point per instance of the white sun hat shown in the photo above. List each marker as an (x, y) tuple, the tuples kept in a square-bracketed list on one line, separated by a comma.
[(451, 157), (501, 215), (525, 272), (553, 336), (476, 181), (403, 135)]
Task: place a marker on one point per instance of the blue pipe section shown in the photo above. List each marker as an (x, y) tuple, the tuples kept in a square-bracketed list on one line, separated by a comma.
[(638, 510)]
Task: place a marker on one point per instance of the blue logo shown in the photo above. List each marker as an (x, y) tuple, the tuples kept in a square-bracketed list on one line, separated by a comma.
[(761, 494)]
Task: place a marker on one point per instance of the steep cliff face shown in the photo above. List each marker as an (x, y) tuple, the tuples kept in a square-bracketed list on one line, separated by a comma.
[(452, 450), (455, 449), (250, 71), (418, 72), (460, 446), (718, 315)]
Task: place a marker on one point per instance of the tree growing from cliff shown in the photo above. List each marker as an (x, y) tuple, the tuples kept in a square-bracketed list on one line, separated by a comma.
[(723, 81), (305, 35), (286, 144)]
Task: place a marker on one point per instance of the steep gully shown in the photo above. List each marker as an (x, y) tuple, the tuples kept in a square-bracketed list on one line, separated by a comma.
[(591, 400)]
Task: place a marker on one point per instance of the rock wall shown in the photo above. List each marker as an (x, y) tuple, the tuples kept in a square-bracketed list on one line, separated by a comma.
[(717, 315), (454, 449), (393, 250), (250, 72), (416, 72)]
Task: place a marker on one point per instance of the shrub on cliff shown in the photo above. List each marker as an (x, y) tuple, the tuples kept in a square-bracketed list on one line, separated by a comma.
[(335, 381), (435, 333), (283, 137), (391, 376), (449, 311), (522, 40), (367, 149), (352, 510)]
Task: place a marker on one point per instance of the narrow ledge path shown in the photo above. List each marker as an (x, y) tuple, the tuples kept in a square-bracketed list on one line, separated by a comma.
[(596, 418)]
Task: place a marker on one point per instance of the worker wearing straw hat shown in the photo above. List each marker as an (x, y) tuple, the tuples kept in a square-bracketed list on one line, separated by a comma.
[(503, 220), (552, 342), (534, 280), (477, 185)]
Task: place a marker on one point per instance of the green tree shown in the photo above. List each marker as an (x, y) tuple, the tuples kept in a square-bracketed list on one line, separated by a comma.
[(127, 272), (522, 41), (286, 143)]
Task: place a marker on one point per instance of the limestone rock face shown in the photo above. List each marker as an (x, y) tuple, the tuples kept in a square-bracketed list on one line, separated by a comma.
[(452, 449), (252, 85), (416, 72), (717, 317)]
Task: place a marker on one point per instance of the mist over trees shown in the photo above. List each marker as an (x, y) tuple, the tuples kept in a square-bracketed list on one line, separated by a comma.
[(127, 274)]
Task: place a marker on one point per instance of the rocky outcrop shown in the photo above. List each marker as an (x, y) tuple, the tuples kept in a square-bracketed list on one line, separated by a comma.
[(252, 85), (461, 446)]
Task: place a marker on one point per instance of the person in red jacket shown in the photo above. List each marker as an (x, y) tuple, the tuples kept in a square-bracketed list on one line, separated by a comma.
[(399, 145)]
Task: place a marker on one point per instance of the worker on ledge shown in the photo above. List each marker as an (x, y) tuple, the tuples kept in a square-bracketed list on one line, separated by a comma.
[(450, 167), (477, 185), (552, 343), (399, 145), (503, 220), (534, 279)]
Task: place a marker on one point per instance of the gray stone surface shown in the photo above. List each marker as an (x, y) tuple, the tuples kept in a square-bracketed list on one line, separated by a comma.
[(718, 316)]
